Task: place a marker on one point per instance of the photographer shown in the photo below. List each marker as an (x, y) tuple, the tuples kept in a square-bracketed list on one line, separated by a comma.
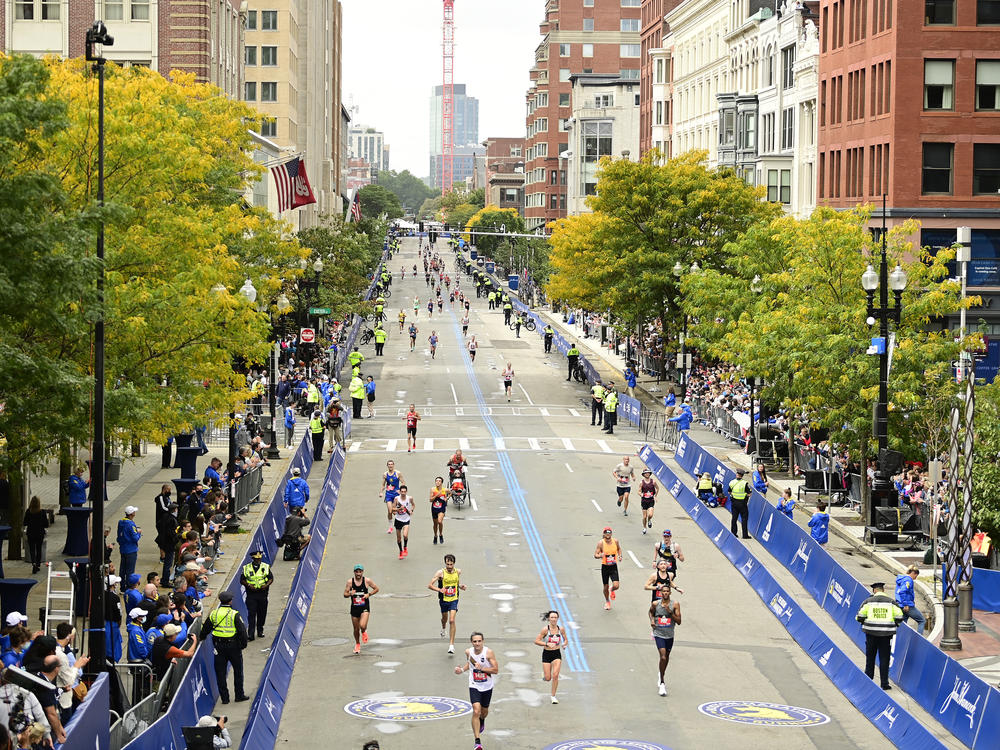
[(221, 738), (19, 712)]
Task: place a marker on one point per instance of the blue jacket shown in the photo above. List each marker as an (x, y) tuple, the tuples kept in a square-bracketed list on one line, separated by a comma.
[(128, 536), (670, 400), (11, 658), (77, 490), (630, 377), (212, 475), (289, 417), (786, 506), (138, 649), (283, 388), (819, 527), (370, 387), (904, 591), (296, 492), (758, 483), (683, 419), (151, 635)]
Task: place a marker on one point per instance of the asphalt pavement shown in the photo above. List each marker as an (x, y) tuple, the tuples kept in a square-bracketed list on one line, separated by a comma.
[(542, 488)]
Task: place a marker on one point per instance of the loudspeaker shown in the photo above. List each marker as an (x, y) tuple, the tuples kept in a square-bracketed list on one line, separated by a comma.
[(890, 462), (815, 480), (886, 519)]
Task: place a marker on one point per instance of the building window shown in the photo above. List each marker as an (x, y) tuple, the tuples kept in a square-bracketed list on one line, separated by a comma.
[(588, 50), (768, 68), (937, 168), (787, 67), (269, 56), (50, 10), (986, 169), (563, 50), (140, 10), (588, 3), (658, 118), (269, 128), (269, 20), (563, 124), (251, 20), (785, 192), (588, 24), (939, 12), (772, 185), (630, 24), (564, 74), (563, 100), (659, 71), (596, 144), (631, 3), (249, 55), (629, 74), (787, 127), (269, 91), (747, 134), (630, 50), (987, 85), (988, 12), (114, 10), (562, 201), (24, 10), (727, 127), (250, 91), (553, 201), (939, 84), (554, 177), (604, 100)]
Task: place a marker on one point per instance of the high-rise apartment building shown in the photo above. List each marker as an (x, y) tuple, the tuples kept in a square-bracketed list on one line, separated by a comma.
[(204, 37), (578, 36), (653, 72), (504, 166), (465, 130), (908, 108), (292, 59), (369, 144)]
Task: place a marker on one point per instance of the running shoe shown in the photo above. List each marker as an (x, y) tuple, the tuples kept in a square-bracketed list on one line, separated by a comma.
[(554, 699), (612, 594), (441, 539), (401, 555), (663, 689), (451, 649), (643, 529), (443, 633), (357, 648), (619, 502), (650, 524), (405, 552), (607, 605), (436, 539), (626, 513), (364, 637), (479, 746)]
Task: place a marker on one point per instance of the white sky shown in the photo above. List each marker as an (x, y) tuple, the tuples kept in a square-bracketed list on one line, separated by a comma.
[(392, 58)]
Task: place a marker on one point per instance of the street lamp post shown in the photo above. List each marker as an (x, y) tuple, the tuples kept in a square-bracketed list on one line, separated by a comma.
[(683, 357), (98, 35), (283, 305), (250, 293)]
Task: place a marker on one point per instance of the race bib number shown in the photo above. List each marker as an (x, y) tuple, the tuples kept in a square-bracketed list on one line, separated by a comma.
[(358, 600), (658, 594), (438, 505), (663, 621), (449, 590), (479, 675), (611, 559), (554, 640)]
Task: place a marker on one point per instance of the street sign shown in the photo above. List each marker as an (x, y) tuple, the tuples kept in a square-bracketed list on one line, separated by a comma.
[(320, 311), (307, 335)]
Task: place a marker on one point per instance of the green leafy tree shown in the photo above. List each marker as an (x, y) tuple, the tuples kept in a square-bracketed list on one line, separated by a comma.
[(411, 191), (377, 200), (491, 219), (477, 197), (986, 462)]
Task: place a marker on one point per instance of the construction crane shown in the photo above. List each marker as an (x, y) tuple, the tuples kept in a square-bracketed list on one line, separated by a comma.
[(448, 98)]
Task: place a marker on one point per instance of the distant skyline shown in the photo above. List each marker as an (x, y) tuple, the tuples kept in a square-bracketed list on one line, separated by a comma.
[(392, 60)]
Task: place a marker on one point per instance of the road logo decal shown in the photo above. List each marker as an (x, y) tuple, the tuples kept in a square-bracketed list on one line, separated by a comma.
[(605, 745), (409, 708), (763, 714)]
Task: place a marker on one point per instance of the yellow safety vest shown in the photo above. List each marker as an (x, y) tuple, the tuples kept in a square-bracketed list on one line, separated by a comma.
[(879, 615), (573, 352), (598, 391), (223, 622), (739, 489), (357, 388), (704, 484), (257, 579), (312, 394), (380, 335), (611, 402), (316, 425), (355, 358)]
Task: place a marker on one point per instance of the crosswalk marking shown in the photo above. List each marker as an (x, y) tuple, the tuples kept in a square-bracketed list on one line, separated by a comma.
[(463, 443), (574, 413), (567, 444), (390, 446), (428, 444), (543, 412), (355, 447), (498, 443), (533, 444), (604, 446), (490, 445)]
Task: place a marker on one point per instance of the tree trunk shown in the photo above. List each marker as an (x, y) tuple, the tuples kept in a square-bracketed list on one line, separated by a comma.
[(17, 505), (65, 470)]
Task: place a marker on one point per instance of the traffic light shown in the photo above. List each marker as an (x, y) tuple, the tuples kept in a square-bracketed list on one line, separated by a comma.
[(446, 228), (421, 227)]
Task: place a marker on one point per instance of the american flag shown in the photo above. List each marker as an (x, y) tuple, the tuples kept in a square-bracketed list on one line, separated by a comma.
[(356, 207), (293, 185)]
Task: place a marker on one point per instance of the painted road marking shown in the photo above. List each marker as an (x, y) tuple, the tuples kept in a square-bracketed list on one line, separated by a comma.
[(463, 443), (498, 444), (533, 444), (472, 501), (459, 411), (763, 714), (574, 412), (604, 446), (428, 444), (634, 559), (453, 392), (409, 708), (567, 444), (390, 446), (569, 468), (526, 394), (543, 412), (596, 505), (355, 447)]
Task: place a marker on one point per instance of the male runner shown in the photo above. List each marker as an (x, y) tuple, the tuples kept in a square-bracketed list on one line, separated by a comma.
[(647, 498), (402, 320), (360, 590), (391, 481), (433, 341), (447, 585), (465, 324), (609, 552), (439, 504), (413, 335), (402, 509), (473, 345), (623, 475), (669, 551), (660, 581), (508, 378), (481, 664), (664, 615), (412, 417)]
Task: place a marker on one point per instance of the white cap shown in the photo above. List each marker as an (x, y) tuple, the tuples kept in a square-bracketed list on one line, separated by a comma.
[(130, 509), (112, 580), (137, 612), (16, 618), (296, 471)]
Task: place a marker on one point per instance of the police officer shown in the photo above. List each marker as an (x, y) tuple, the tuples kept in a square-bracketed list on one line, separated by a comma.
[(610, 409), (256, 577), (508, 309), (572, 357), (879, 617), (379, 312), (739, 496), (355, 358), (357, 388), (316, 430), (549, 333), (380, 336), (229, 638), (597, 403), (312, 396)]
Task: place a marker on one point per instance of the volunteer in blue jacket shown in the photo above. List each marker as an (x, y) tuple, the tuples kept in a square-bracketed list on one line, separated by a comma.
[(630, 380), (905, 598), (128, 542), (78, 488), (132, 594), (289, 426), (138, 649), (760, 479), (683, 419), (296, 491)]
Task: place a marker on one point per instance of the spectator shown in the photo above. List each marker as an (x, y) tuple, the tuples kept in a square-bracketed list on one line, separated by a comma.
[(296, 491), (906, 598), (36, 521), (220, 739), (166, 539), (294, 534), (128, 542), (148, 603), (47, 697), (242, 433), (786, 503), (212, 477), (38, 650), (760, 479), (138, 649), (19, 638), (132, 595), (163, 651), (69, 669), (683, 419), (113, 620), (819, 524), (335, 423), (19, 709), (630, 380), (162, 503), (78, 488)]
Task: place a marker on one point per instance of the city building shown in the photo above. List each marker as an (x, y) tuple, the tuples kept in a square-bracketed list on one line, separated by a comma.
[(578, 37), (604, 122), (654, 72), (204, 37), (465, 133), (504, 166), (359, 173), (465, 165), (369, 144), (292, 58), (263, 192), (898, 91)]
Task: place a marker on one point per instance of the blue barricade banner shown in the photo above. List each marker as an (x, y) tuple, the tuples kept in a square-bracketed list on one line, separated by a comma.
[(89, 728), (886, 715), (986, 589)]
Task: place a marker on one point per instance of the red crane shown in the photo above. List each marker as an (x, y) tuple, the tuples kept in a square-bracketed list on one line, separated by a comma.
[(448, 98)]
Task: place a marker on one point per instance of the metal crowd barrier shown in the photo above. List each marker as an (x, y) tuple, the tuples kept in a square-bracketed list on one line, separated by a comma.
[(248, 489), (657, 427)]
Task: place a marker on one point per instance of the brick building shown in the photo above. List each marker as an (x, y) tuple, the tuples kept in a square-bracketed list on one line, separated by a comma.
[(653, 29), (504, 162), (578, 36), (908, 107)]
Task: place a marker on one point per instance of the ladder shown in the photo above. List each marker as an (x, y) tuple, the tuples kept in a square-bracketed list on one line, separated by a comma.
[(58, 599)]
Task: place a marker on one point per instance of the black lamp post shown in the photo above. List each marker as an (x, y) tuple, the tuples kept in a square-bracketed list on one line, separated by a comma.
[(98, 35), (883, 491), (272, 382), (682, 358)]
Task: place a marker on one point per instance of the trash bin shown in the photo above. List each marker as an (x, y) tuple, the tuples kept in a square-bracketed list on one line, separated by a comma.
[(473, 254), (512, 281), (491, 267), (114, 469)]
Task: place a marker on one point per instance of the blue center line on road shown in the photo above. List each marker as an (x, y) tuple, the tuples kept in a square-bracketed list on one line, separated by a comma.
[(576, 661)]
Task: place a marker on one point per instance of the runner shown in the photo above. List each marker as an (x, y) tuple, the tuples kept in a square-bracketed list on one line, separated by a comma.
[(391, 481), (473, 344), (433, 341), (439, 504), (413, 335), (609, 552), (416, 307), (660, 580), (402, 509), (447, 585), (430, 308), (647, 498), (669, 551), (623, 474), (481, 664), (465, 324), (551, 639), (360, 590), (664, 615), (402, 320), (508, 378), (412, 417)]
